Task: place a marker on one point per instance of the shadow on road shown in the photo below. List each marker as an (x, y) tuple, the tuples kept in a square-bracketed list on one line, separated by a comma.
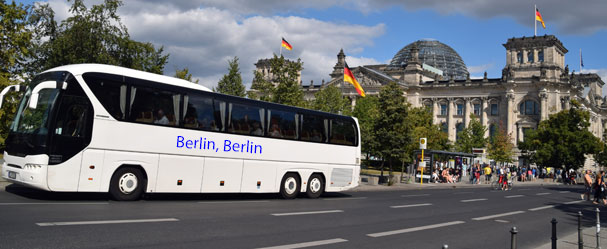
[(36, 194)]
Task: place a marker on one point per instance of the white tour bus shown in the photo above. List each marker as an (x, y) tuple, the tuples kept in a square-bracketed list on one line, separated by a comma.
[(101, 128)]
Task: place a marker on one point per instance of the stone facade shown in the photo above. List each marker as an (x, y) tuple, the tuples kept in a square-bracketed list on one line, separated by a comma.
[(534, 84)]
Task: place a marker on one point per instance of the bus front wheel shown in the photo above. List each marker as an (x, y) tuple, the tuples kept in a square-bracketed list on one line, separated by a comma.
[(316, 186), (290, 186), (127, 184)]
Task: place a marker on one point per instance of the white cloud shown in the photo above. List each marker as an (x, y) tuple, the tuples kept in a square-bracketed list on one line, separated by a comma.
[(480, 68)]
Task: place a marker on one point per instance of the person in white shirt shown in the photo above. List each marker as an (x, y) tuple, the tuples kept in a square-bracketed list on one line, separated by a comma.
[(161, 118)]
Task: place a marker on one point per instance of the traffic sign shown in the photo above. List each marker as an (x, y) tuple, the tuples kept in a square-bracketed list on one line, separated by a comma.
[(422, 143)]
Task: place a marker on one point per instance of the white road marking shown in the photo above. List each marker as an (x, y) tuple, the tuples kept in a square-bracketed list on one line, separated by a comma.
[(513, 196), (471, 200), (310, 212), (53, 203), (226, 202), (502, 221), (574, 202), (412, 205), (461, 193), (414, 195), (497, 215), (307, 244), (414, 229), (562, 192), (99, 222), (345, 198), (545, 193), (541, 208)]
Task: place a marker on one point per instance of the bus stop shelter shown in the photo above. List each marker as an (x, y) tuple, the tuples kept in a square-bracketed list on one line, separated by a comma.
[(432, 156)]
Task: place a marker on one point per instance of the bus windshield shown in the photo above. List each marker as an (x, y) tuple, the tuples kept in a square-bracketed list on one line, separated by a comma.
[(31, 126)]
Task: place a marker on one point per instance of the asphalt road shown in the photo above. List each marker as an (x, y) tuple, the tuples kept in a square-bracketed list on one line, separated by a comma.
[(428, 218)]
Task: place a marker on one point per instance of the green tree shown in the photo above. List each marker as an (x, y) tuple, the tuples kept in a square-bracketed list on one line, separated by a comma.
[(393, 133), (261, 88), (231, 83), (285, 75), (472, 136), (500, 147), (421, 121), (563, 140), (15, 44), (185, 74), (367, 113), (330, 99), (94, 35)]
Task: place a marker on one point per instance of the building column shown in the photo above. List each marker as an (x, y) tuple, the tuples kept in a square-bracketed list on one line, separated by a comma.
[(353, 102), (557, 100), (524, 52), (510, 116), (450, 120), (519, 129), (484, 119), (435, 111), (543, 104), (466, 112)]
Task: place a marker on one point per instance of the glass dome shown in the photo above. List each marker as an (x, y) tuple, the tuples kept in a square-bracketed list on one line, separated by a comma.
[(435, 54)]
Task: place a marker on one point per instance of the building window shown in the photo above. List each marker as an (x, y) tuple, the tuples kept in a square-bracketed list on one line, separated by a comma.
[(526, 131), (530, 56), (519, 57), (460, 109), (428, 107), (444, 128), (459, 127), (529, 107), (477, 109), (494, 109), (443, 109), (492, 131), (540, 56)]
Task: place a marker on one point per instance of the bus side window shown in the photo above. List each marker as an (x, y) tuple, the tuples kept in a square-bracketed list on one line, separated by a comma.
[(342, 132), (155, 106), (199, 112), (246, 120), (110, 91), (313, 128), (283, 124)]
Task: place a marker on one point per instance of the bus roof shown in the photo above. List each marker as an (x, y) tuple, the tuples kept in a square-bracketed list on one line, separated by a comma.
[(79, 69)]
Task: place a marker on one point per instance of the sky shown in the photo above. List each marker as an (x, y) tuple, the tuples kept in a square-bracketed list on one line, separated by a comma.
[(203, 35)]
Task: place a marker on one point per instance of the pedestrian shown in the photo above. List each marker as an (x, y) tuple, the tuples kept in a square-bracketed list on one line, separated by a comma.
[(599, 191), (587, 185), (487, 174)]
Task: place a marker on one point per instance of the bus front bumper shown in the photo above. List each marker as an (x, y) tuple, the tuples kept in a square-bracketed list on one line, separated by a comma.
[(29, 171)]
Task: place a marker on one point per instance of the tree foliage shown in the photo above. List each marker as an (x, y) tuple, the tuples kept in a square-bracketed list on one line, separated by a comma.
[(500, 147), (231, 83), (90, 35), (393, 133), (185, 74), (285, 74), (563, 140), (263, 88), (367, 112), (421, 121), (472, 136), (330, 99)]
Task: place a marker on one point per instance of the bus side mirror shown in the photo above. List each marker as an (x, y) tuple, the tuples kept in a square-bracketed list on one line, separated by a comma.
[(43, 85), (5, 91)]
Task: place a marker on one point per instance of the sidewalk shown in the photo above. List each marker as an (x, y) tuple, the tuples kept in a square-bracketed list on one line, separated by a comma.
[(417, 185), (571, 241)]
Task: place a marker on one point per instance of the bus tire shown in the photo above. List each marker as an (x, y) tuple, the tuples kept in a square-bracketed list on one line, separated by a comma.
[(316, 186), (127, 184), (290, 186)]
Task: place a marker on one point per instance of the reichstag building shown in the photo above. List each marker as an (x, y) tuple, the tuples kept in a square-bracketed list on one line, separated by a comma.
[(534, 84)]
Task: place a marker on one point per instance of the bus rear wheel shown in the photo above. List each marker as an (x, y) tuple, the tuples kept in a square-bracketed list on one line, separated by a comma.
[(290, 186), (127, 184), (316, 186)]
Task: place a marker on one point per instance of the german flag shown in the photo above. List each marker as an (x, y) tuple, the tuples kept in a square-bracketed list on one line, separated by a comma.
[(538, 17), (286, 44), (349, 77)]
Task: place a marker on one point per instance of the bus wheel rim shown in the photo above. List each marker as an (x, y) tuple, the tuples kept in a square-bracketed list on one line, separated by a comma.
[(128, 183), (315, 185), (290, 185)]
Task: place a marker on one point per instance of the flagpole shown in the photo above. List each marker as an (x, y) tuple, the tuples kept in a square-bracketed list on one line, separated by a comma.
[(580, 60), (281, 50), (534, 20)]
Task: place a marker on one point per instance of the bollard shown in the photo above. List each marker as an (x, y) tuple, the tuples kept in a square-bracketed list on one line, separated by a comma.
[(598, 228), (579, 231), (445, 246), (513, 233), (553, 233)]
